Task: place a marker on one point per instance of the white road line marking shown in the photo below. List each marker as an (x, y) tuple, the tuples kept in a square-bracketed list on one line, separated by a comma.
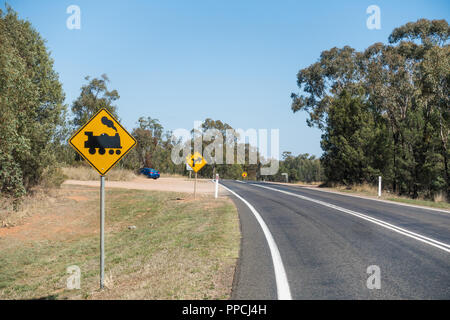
[(283, 290), (367, 198), (432, 242)]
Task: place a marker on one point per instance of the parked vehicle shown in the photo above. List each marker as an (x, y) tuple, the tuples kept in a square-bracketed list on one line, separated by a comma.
[(149, 172)]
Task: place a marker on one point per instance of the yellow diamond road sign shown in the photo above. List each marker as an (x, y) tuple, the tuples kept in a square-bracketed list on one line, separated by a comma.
[(244, 174), (102, 141), (196, 161)]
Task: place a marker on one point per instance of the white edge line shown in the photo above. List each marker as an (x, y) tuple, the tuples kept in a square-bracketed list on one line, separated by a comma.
[(366, 198), (432, 242), (283, 290)]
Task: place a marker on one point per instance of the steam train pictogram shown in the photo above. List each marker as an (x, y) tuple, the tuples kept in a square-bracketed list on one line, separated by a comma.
[(102, 142)]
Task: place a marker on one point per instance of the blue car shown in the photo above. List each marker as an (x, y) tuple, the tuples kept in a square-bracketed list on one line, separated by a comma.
[(149, 172)]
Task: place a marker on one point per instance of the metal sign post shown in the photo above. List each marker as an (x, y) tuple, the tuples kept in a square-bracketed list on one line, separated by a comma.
[(196, 162), (195, 184), (102, 232), (102, 142)]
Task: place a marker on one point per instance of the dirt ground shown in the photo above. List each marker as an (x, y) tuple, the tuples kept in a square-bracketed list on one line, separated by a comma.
[(179, 248), (204, 186), (66, 215), (38, 217)]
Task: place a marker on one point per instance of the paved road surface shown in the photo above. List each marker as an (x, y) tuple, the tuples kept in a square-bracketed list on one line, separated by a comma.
[(327, 241)]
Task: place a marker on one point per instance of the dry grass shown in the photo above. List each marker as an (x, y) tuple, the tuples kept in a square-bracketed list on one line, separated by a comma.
[(440, 200), (180, 249), (364, 188), (25, 207), (87, 173), (312, 183), (440, 197)]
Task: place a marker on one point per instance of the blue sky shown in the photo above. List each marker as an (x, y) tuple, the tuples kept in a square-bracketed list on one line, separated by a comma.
[(180, 61)]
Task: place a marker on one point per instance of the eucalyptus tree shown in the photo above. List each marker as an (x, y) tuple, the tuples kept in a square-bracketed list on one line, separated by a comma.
[(31, 105), (400, 127)]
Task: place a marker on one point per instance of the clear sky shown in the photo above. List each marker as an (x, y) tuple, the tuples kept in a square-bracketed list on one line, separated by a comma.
[(233, 60)]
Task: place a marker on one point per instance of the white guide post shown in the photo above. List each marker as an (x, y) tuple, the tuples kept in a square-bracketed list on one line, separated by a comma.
[(379, 186)]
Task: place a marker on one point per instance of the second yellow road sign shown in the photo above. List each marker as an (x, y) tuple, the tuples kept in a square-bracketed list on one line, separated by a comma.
[(196, 161)]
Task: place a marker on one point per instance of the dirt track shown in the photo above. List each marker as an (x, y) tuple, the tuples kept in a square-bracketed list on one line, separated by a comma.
[(204, 186)]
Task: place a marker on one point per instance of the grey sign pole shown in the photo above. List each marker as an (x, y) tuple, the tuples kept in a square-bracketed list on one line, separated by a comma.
[(102, 231), (195, 184)]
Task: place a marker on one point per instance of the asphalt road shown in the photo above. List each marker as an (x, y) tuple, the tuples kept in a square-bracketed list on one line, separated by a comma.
[(327, 241)]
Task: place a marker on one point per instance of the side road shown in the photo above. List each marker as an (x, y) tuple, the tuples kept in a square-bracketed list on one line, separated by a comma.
[(204, 186)]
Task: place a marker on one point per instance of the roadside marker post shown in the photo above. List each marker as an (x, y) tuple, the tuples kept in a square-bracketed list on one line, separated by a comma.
[(102, 142), (379, 186)]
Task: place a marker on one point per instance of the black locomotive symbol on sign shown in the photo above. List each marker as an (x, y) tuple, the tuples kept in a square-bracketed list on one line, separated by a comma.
[(103, 141)]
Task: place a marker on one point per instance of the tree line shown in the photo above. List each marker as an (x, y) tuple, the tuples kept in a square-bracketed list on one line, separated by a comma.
[(35, 123), (31, 107), (304, 167), (384, 111)]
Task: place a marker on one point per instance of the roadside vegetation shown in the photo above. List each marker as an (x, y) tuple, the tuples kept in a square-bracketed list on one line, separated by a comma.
[(439, 201), (85, 173), (36, 123), (31, 107), (159, 245), (384, 111), (303, 168)]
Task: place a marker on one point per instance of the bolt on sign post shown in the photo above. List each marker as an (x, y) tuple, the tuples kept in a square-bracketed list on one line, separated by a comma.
[(102, 142), (196, 162)]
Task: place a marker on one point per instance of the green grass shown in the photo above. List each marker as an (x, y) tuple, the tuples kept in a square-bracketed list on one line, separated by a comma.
[(179, 250)]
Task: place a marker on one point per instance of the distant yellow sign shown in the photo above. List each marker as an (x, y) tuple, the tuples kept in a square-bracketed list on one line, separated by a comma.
[(244, 174), (102, 141), (196, 161)]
